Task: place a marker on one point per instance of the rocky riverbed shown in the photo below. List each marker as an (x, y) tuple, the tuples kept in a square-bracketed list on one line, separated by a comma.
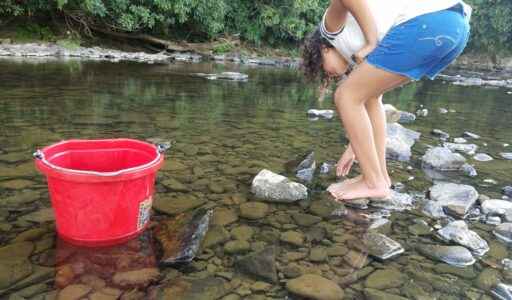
[(274, 232)]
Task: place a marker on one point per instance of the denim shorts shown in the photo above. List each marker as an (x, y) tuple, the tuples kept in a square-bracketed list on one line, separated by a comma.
[(424, 45)]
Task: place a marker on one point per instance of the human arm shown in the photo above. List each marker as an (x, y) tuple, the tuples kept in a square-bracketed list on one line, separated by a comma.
[(336, 18), (345, 162)]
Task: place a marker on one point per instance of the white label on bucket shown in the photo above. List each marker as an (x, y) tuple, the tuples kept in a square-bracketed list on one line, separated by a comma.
[(144, 210)]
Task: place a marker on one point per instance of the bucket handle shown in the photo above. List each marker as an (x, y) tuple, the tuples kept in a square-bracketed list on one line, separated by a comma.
[(159, 150)]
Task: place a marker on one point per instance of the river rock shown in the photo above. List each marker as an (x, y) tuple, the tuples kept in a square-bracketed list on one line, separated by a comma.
[(182, 235), (433, 209), (488, 277), (502, 291), (440, 134), (217, 234), (392, 114), (456, 198), (40, 216), (305, 220), (292, 237), (278, 188), (399, 141), (454, 255), (465, 148), (260, 264), (184, 288), (14, 263), (504, 232), (74, 292), (136, 278), (314, 287), (507, 155), (176, 205), (459, 140), (253, 210), (507, 191), (468, 169), (374, 294), (385, 279), (482, 157), (495, 207), (235, 76), (329, 207), (242, 233), (459, 233), (394, 201), (303, 166), (379, 245), (236, 247), (406, 117), (224, 216), (441, 158), (322, 113), (470, 135)]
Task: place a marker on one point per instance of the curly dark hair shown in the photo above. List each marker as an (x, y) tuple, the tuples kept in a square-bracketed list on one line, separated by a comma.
[(311, 64)]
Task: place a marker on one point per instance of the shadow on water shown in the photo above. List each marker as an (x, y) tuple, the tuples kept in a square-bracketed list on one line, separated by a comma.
[(223, 134)]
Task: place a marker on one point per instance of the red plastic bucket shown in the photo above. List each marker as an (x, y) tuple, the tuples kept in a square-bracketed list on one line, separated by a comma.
[(101, 190)]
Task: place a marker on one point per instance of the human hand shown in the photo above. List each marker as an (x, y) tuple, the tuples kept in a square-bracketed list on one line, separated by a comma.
[(362, 53), (345, 162)]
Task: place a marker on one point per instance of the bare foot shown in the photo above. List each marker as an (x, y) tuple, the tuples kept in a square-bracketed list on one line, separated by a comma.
[(358, 177), (357, 189)]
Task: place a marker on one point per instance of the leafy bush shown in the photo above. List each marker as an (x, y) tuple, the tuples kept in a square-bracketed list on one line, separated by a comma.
[(261, 22), (491, 26), (222, 48), (32, 31)]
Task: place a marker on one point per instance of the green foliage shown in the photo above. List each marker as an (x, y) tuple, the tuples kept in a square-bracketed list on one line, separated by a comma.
[(491, 26), (222, 48), (32, 31), (276, 22)]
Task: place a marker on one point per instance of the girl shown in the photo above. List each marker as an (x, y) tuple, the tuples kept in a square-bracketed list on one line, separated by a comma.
[(392, 42)]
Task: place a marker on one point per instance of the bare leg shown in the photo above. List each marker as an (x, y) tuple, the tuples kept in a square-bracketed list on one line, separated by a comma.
[(365, 83)]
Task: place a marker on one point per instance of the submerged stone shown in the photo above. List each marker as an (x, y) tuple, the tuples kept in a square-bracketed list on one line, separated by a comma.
[(502, 291), (433, 209), (453, 255), (182, 236), (184, 288), (394, 201), (504, 232), (313, 286), (379, 245), (459, 233), (466, 148), (260, 264), (507, 155), (274, 187), (303, 166), (482, 157)]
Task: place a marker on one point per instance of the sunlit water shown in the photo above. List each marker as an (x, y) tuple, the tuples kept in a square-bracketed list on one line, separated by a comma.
[(220, 125)]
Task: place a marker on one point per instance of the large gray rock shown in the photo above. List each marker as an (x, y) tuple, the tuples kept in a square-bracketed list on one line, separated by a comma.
[(441, 158), (399, 141), (275, 187), (459, 233), (456, 198), (504, 232)]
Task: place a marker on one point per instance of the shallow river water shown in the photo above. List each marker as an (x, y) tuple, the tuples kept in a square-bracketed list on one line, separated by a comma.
[(223, 133)]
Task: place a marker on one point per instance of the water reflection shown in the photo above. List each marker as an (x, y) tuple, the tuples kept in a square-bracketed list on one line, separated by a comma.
[(105, 271)]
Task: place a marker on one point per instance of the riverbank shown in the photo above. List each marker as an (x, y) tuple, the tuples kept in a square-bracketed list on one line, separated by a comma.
[(473, 63)]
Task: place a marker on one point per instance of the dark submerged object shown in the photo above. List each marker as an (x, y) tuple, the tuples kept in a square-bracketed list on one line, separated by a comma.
[(182, 235)]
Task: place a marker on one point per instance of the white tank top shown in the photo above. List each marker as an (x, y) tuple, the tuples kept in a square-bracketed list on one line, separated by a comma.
[(386, 13)]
